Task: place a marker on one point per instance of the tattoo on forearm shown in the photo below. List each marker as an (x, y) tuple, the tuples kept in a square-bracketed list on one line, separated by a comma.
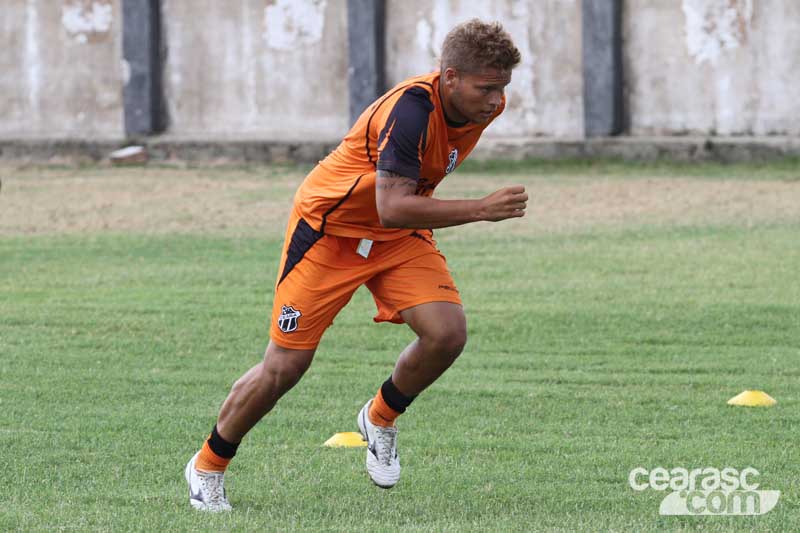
[(391, 180)]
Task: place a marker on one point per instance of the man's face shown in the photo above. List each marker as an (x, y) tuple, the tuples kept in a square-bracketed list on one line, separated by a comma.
[(476, 96)]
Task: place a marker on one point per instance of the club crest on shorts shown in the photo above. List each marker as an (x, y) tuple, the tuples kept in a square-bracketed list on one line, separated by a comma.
[(453, 159), (287, 321)]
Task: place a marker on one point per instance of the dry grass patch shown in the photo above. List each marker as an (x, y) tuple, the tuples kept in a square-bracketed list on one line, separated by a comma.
[(256, 201)]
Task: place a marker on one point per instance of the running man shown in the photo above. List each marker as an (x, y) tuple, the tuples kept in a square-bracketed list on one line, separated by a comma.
[(364, 216)]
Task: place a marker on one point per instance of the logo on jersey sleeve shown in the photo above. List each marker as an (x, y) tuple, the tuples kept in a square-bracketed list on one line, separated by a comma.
[(287, 320), (453, 159)]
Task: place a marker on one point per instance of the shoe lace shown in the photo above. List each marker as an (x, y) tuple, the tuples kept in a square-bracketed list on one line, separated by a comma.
[(385, 438), (213, 488)]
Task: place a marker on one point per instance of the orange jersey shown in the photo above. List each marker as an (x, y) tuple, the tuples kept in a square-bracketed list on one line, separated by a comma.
[(404, 131)]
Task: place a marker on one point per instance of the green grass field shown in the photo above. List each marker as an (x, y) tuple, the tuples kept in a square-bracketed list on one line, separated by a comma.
[(596, 346)]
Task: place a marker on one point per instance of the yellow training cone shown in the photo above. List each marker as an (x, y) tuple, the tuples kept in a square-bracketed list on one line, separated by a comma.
[(753, 398), (350, 439)]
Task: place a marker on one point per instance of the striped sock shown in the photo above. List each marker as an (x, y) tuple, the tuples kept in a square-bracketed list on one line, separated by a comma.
[(388, 404), (215, 454)]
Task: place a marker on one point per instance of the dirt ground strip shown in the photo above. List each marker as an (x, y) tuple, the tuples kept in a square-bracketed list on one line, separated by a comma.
[(256, 201)]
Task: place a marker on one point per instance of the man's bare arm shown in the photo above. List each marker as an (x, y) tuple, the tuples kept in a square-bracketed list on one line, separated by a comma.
[(399, 207)]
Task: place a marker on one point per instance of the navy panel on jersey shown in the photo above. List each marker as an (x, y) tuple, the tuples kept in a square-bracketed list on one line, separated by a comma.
[(407, 131), (303, 238)]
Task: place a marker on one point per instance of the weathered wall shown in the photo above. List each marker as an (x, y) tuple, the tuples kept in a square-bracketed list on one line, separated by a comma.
[(712, 66), (61, 71), (277, 69), (545, 96), (273, 69)]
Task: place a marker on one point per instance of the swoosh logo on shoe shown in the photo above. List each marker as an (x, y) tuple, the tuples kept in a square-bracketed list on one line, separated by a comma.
[(371, 448), (196, 496)]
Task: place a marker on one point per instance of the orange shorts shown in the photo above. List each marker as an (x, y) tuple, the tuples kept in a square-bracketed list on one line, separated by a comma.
[(319, 273)]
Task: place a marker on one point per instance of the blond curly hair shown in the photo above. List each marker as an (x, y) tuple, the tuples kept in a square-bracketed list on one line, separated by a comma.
[(475, 45)]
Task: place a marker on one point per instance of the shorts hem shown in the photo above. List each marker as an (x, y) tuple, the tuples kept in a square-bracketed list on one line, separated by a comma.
[(292, 345), (414, 303)]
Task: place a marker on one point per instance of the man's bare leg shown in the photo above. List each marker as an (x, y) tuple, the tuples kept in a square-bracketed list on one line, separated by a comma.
[(441, 330), (258, 390), (252, 396)]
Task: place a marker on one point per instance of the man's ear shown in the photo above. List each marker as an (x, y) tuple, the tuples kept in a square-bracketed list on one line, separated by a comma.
[(450, 77)]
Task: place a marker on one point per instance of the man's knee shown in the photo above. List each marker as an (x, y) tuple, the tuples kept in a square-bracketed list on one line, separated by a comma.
[(448, 337), (282, 368)]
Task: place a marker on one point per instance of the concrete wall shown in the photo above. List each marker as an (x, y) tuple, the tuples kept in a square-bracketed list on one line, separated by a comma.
[(727, 67), (277, 69), (273, 69), (545, 96), (61, 71)]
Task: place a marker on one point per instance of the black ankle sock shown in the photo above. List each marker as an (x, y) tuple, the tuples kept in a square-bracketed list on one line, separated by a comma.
[(220, 446), (394, 398)]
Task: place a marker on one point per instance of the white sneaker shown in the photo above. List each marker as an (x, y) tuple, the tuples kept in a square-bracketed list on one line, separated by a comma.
[(206, 489), (383, 463)]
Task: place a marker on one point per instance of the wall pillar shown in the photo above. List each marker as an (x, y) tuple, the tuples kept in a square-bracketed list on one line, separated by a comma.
[(365, 37), (602, 67), (141, 50)]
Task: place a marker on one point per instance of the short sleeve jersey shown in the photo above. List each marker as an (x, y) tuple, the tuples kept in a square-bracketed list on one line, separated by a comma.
[(404, 131)]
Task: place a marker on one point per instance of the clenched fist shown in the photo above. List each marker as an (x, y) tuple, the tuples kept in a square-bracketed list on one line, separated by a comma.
[(509, 202)]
